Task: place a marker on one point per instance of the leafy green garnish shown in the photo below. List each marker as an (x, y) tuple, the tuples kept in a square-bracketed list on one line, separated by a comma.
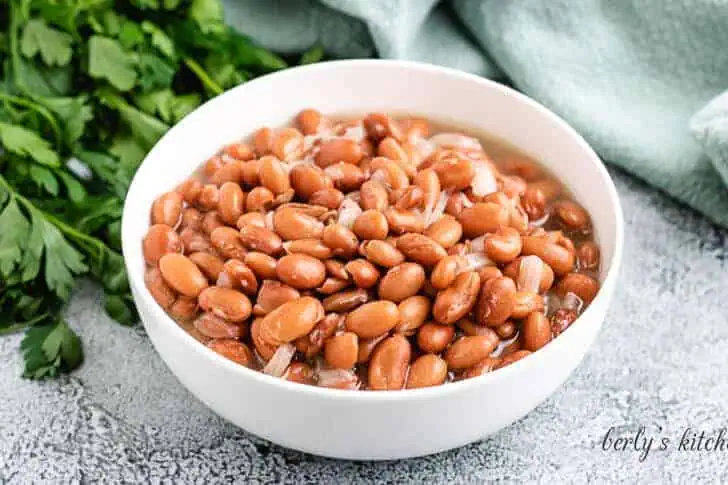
[(87, 87)]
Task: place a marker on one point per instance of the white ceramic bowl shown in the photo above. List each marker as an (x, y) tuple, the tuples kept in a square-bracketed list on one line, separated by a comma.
[(373, 425)]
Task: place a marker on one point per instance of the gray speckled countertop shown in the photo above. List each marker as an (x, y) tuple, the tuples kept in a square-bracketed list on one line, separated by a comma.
[(660, 362)]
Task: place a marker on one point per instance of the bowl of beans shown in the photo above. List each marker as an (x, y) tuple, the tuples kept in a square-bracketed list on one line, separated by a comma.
[(372, 259)]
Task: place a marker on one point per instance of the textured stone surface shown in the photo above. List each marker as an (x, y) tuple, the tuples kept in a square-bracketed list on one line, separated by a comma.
[(659, 362)]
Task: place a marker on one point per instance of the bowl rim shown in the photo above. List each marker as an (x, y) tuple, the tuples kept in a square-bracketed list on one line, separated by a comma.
[(136, 276)]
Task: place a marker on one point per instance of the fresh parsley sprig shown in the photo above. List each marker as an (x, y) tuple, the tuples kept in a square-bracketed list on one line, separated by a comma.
[(87, 87)]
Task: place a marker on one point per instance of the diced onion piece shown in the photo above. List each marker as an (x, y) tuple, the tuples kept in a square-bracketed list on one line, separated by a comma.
[(356, 133), (477, 261), (294, 163), (348, 213), (280, 361), (572, 302), (355, 196), (539, 222), (269, 221), (381, 177), (79, 168), (477, 245), (338, 378), (433, 214), (484, 182), (334, 171), (530, 273), (466, 202), (455, 140), (423, 147), (224, 280)]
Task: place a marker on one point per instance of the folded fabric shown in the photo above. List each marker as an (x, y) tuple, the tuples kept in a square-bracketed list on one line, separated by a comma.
[(634, 77)]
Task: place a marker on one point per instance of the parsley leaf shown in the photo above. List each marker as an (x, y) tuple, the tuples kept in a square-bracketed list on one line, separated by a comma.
[(12, 238), (74, 112), (50, 349), (108, 60), (169, 106), (54, 46), (154, 72), (208, 14), (22, 141)]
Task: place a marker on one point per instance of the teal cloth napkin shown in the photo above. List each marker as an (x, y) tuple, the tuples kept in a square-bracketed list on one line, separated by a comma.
[(641, 80)]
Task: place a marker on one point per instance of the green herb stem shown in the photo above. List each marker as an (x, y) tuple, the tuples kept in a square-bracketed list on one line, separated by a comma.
[(204, 78), (41, 110)]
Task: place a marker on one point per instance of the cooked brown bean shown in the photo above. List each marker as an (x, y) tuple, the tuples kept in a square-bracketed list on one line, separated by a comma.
[(232, 172), (209, 197), (421, 249), (587, 255), (180, 273), (210, 265), (367, 346), (468, 351), (381, 253), (231, 204), (341, 240), (337, 269), (346, 176), (291, 223), (496, 301), (160, 240), (211, 221), (434, 337), (183, 309), (191, 219), (332, 285), (456, 301), (511, 358), (379, 126), (193, 241), (211, 166), (312, 343), (214, 326), (291, 320), (389, 363), (506, 330), (534, 202), (239, 151), (309, 121), (483, 217), (446, 231), (273, 294), (504, 245), (231, 349), (329, 197), (259, 199), (401, 281), (404, 220), (167, 209), (263, 141), (288, 144), (583, 286), (571, 214), (241, 276), (260, 239), (249, 172), (535, 331), (363, 273), (428, 370), (371, 224), (559, 258), (413, 312), (300, 372), (446, 270), (372, 319), (488, 272), (411, 198), (345, 301), (342, 351), (468, 327), (225, 303), (273, 175), (525, 303), (262, 347), (489, 364), (455, 171), (263, 265), (389, 172), (339, 150), (308, 179), (374, 196), (190, 190), (311, 247), (160, 291), (301, 271), (228, 242)]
